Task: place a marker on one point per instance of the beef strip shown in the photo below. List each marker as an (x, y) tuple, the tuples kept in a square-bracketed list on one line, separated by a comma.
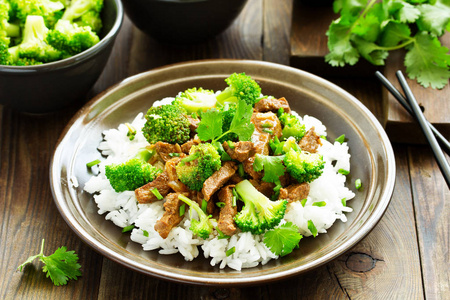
[(248, 168), (144, 193), (218, 179), (264, 123), (193, 123), (272, 104), (226, 222), (295, 192), (240, 151), (174, 183), (164, 149), (263, 187), (171, 216), (188, 145), (310, 141)]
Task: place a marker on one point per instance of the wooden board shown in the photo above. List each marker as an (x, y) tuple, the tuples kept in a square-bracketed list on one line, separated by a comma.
[(309, 47)]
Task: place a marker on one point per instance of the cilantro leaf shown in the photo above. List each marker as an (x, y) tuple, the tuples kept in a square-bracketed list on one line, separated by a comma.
[(428, 61), (210, 125), (60, 266), (434, 18), (341, 49), (283, 239), (272, 165)]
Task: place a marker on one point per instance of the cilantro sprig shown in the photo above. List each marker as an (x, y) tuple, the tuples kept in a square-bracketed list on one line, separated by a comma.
[(210, 126), (272, 165), (283, 239), (370, 29), (60, 266)]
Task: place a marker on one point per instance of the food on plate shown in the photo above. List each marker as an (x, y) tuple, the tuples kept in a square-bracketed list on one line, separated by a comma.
[(243, 177), (33, 32)]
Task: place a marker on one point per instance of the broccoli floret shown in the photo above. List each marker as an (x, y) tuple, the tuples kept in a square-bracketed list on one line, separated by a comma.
[(133, 173), (240, 87), (7, 29), (202, 162), (228, 111), (166, 123), (51, 11), (291, 126), (304, 166), (71, 38), (259, 212), (33, 49), (85, 13), (196, 100), (201, 227)]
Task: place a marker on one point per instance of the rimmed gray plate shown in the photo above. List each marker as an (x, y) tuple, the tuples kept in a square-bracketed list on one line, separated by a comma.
[(371, 156)]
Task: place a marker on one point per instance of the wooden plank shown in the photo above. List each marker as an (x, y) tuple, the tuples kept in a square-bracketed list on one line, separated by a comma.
[(400, 126), (29, 214), (432, 207)]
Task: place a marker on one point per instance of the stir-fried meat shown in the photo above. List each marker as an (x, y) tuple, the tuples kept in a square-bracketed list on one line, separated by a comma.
[(198, 197), (171, 216), (174, 183), (235, 179), (240, 151), (310, 141), (263, 187), (144, 194), (226, 222), (295, 192), (218, 179), (267, 125), (272, 104), (193, 123), (164, 150), (188, 145), (248, 168), (267, 122)]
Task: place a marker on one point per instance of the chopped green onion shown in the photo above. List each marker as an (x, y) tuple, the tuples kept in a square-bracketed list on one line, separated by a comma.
[(268, 130), (157, 194), (230, 144), (344, 201), (220, 204), (221, 235), (204, 205), (312, 228), (358, 184), (131, 131), (267, 125), (341, 139), (230, 251), (145, 232), (303, 202), (343, 172), (323, 137), (182, 209), (241, 171), (319, 203), (174, 154), (128, 228), (233, 202), (93, 163)]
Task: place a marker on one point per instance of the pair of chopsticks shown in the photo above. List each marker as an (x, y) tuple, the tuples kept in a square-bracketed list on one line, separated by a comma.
[(431, 133)]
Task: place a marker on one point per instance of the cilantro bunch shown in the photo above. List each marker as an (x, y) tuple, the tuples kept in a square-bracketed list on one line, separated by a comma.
[(371, 28)]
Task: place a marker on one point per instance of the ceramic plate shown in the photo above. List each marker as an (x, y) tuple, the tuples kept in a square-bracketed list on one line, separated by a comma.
[(372, 161)]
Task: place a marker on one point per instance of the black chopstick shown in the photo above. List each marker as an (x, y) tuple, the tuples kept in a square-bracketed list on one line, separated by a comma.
[(438, 154), (401, 99)]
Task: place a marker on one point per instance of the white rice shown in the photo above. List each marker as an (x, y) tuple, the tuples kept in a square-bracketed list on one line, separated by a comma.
[(123, 210)]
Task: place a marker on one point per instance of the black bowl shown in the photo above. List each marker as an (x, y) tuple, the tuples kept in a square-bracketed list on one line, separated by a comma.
[(183, 21), (53, 86)]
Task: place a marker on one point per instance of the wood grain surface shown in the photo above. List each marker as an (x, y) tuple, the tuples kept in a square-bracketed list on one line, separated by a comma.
[(404, 257)]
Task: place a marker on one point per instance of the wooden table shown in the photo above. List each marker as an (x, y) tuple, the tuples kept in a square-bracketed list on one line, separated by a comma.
[(405, 257)]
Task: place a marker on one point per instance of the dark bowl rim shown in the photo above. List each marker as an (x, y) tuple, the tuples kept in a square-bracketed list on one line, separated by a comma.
[(77, 58), (368, 226)]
